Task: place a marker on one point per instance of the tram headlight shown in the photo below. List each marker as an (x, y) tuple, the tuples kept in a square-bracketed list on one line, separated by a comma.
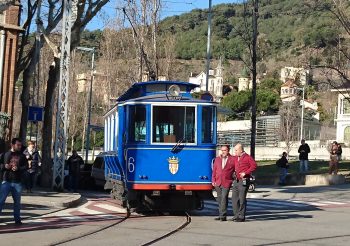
[(174, 90)]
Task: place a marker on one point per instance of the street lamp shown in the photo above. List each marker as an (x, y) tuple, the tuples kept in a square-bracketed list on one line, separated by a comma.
[(92, 50), (302, 112)]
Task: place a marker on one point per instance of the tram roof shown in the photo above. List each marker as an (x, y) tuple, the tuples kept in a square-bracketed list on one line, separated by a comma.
[(144, 89)]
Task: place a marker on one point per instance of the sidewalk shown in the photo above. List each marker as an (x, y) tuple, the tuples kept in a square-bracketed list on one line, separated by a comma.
[(40, 202)]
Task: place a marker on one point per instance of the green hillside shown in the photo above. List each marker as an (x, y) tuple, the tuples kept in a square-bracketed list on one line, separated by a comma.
[(285, 27)]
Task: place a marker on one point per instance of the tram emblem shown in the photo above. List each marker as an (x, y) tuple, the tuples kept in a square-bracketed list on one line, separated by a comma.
[(173, 164)]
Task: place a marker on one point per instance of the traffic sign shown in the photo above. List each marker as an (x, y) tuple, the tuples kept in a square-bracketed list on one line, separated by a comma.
[(35, 113)]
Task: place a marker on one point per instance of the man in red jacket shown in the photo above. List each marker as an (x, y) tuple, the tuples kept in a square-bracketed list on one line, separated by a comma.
[(244, 165), (222, 179)]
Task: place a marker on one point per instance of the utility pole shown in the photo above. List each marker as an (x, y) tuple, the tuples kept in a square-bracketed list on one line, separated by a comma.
[(302, 114), (62, 104), (208, 48), (254, 73)]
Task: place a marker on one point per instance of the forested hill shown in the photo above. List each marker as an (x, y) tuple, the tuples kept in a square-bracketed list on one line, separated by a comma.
[(285, 27)]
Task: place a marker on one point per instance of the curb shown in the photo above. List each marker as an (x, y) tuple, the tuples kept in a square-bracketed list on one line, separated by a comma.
[(71, 203)]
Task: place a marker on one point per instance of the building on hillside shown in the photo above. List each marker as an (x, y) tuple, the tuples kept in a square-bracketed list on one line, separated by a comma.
[(99, 87), (297, 74), (215, 82), (145, 77), (9, 31), (289, 91), (343, 116)]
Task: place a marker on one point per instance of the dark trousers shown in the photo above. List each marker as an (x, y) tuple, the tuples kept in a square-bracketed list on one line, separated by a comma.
[(239, 201), (30, 180), (73, 182), (222, 195)]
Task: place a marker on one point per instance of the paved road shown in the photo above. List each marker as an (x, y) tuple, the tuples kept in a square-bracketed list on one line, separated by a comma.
[(276, 216)]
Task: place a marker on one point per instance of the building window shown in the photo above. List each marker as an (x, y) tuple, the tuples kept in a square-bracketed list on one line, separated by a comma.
[(347, 134), (346, 106)]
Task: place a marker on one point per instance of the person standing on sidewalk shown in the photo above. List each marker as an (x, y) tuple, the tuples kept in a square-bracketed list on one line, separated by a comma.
[(15, 163), (74, 162), (244, 165), (33, 158), (222, 179), (282, 163), (304, 151)]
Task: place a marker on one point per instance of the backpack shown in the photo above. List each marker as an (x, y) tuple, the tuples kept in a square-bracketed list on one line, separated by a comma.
[(278, 163), (339, 150)]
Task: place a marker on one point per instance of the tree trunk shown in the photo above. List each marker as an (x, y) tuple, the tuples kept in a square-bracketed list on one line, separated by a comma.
[(47, 162), (25, 97)]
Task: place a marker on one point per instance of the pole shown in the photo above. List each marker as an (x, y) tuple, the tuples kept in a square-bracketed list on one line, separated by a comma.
[(254, 73), (89, 109), (208, 48), (302, 115), (61, 114)]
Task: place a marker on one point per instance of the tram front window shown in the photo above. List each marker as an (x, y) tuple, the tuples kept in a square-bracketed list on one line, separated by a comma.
[(172, 124), (137, 123), (207, 124)]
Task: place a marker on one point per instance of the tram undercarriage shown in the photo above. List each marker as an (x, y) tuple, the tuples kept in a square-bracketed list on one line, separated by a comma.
[(164, 200)]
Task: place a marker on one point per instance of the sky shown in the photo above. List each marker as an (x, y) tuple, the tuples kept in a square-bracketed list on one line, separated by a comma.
[(170, 8)]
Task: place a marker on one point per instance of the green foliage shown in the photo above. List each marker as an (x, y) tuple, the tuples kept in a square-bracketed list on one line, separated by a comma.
[(240, 103), (283, 24), (267, 100), (271, 84)]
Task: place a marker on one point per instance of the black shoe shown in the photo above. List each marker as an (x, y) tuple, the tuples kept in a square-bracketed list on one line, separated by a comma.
[(217, 218), (18, 223), (223, 219), (239, 220)]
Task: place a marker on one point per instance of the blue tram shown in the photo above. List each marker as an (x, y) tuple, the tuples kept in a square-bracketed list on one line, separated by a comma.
[(160, 143)]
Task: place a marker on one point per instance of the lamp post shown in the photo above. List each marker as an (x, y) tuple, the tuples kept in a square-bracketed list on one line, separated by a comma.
[(92, 50), (302, 113)]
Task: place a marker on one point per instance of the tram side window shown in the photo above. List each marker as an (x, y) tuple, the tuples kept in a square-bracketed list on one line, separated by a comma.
[(207, 125), (172, 124), (137, 123)]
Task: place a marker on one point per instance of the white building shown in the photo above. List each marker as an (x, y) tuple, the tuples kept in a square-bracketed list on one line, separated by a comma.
[(289, 91), (215, 82), (297, 74), (343, 118)]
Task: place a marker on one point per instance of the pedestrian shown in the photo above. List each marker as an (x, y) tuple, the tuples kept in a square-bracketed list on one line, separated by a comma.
[(339, 151), (15, 163), (244, 165), (283, 165), (74, 162), (333, 162), (33, 159), (222, 179), (304, 151)]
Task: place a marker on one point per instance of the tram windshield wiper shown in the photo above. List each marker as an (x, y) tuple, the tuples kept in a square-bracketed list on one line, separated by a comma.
[(177, 145)]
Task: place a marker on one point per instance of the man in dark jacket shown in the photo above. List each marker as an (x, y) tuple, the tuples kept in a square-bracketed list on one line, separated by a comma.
[(304, 151), (244, 166), (74, 162), (283, 165), (222, 179), (15, 163)]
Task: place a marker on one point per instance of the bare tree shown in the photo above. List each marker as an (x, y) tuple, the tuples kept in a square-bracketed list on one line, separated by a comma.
[(335, 68), (289, 123), (49, 20), (249, 35)]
